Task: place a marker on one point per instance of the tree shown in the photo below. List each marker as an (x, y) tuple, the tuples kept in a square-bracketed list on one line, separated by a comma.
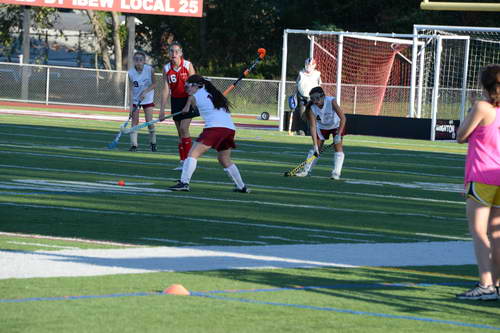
[(11, 22)]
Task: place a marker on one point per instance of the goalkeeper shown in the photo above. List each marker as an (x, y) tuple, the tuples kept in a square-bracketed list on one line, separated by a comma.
[(325, 118)]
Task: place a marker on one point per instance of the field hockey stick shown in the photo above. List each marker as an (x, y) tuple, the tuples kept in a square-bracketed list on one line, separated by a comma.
[(294, 171), (138, 127), (262, 54), (114, 143)]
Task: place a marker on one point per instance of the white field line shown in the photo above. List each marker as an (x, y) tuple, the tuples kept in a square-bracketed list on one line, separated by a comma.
[(445, 237), (235, 240), (256, 225), (293, 189), (347, 239), (95, 262), (71, 239), (43, 245), (278, 204), (164, 240), (78, 116), (162, 164), (208, 157), (295, 241)]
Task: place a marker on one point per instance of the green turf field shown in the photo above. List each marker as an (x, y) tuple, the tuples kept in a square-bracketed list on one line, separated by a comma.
[(81, 254)]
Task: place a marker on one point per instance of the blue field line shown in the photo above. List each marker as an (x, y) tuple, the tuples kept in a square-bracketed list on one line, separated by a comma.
[(353, 312), (231, 291), (340, 286)]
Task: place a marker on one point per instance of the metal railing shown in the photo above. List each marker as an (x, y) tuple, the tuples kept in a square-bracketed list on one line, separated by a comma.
[(109, 89)]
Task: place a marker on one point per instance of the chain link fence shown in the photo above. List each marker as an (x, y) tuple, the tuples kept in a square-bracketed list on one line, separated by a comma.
[(104, 88)]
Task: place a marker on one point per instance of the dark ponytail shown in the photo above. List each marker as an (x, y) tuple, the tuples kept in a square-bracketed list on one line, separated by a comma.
[(218, 99), (490, 80)]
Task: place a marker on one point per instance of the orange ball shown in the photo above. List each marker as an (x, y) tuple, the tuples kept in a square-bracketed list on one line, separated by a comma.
[(121, 183)]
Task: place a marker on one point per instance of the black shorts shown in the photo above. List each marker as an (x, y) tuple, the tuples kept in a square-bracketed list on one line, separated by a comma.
[(177, 104)]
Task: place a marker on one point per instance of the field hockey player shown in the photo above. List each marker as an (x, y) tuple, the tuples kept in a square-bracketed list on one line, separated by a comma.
[(325, 118), (142, 85), (218, 133)]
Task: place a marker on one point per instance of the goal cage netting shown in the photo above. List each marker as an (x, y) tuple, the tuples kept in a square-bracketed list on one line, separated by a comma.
[(447, 71), (368, 74), (428, 74)]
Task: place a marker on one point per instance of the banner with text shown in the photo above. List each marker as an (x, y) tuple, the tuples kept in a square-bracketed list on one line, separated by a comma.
[(156, 7)]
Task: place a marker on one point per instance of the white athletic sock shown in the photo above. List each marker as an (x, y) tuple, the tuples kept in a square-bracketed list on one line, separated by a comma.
[(338, 161), (133, 139), (152, 135), (188, 169), (234, 173), (308, 167)]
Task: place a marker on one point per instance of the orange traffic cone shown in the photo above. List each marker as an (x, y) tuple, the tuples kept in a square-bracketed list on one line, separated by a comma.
[(177, 289)]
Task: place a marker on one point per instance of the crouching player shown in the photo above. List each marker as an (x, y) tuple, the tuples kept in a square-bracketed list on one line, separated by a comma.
[(325, 118), (218, 132)]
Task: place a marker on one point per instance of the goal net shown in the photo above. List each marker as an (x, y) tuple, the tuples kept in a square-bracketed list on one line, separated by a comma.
[(368, 73), (453, 60)]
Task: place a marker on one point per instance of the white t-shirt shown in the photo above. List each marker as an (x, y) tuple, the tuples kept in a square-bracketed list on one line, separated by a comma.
[(140, 81), (213, 117), (306, 81), (326, 117)]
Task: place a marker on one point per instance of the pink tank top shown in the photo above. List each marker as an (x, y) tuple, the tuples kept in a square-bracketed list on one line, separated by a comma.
[(483, 154)]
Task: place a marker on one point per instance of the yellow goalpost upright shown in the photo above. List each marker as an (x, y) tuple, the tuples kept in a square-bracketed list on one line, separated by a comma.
[(460, 6)]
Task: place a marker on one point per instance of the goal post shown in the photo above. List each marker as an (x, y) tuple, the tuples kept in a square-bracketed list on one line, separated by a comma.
[(369, 73), (445, 82), (430, 74)]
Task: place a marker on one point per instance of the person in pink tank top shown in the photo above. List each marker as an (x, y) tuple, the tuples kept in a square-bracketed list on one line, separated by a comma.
[(481, 129)]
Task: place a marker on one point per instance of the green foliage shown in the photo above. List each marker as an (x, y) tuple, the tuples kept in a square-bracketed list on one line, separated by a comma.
[(11, 21)]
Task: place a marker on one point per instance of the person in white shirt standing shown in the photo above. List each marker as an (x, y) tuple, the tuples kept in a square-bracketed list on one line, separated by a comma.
[(308, 78), (142, 86), (325, 118), (218, 132)]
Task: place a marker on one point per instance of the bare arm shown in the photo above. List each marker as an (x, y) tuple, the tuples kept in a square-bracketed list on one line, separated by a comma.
[(191, 69), (480, 115), (312, 127), (165, 93), (191, 102), (151, 87)]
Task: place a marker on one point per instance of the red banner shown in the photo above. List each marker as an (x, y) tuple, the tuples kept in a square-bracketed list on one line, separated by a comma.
[(156, 7)]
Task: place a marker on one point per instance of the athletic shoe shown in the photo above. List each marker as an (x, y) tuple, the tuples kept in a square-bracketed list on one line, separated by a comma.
[(302, 174), (242, 190), (153, 147), (132, 148), (179, 167), (335, 176), (480, 293), (180, 186)]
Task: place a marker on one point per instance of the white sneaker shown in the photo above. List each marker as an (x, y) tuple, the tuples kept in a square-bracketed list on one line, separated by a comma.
[(335, 176), (179, 167), (301, 174)]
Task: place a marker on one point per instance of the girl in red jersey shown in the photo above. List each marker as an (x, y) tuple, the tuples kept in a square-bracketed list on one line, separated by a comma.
[(175, 74), (218, 132)]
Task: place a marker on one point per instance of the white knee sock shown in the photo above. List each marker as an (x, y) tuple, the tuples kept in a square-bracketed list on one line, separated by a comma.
[(133, 139), (338, 161), (308, 167), (152, 135), (188, 169), (234, 173)]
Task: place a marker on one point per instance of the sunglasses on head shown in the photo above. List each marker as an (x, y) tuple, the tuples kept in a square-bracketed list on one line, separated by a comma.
[(316, 97)]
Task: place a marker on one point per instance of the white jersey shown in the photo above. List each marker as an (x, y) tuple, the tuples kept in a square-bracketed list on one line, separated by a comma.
[(306, 81), (326, 117), (213, 117), (140, 81)]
